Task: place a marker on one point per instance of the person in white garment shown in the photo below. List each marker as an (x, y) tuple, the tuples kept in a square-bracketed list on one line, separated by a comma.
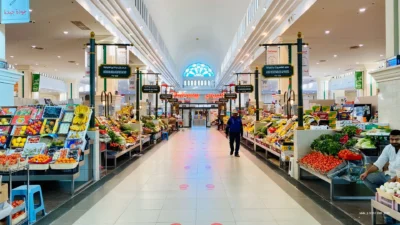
[(374, 177)]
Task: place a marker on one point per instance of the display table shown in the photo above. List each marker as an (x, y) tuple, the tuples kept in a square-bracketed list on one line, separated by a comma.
[(377, 206), (116, 154)]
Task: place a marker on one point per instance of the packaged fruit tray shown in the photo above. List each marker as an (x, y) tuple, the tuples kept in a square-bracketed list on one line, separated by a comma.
[(7, 111), (31, 150), (34, 128), (64, 166), (5, 121), (5, 129), (19, 131), (68, 116), (49, 126), (64, 128), (39, 162), (18, 142), (33, 139), (52, 112)]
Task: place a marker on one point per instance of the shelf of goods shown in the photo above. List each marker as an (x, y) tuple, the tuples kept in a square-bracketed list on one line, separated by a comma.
[(336, 157), (387, 200), (273, 135), (51, 139)]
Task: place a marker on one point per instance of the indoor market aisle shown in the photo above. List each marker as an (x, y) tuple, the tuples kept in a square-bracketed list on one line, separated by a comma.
[(192, 180)]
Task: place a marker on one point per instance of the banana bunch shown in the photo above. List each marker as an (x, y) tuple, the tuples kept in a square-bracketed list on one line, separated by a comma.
[(78, 127), (80, 119), (82, 109)]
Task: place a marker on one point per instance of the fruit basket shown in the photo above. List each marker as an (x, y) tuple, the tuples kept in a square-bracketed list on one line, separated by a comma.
[(384, 194), (31, 150), (39, 162), (49, 126), (17, 142), (19, 131), (64, 164), (12, 162), (34, 128)]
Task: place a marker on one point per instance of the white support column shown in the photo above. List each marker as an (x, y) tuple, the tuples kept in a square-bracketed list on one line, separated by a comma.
[(392, 28), (8, 78), (323, 88)]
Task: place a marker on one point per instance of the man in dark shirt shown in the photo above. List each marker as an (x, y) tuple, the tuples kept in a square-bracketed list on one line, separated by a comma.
[(235, 130)]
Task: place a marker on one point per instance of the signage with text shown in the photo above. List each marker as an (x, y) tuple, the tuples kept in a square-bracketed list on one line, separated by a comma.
[(115, 71), (230, 95), (277, 71), (223, 100), (359, 80), (165, 96), (35, 82), (151, 89), (14, 11), (244, 88), (173, 100)]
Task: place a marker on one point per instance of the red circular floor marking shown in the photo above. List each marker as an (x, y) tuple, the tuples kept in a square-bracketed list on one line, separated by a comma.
[(216, 224), (187, 167), (176, 224), (183, 187), (210, 186)]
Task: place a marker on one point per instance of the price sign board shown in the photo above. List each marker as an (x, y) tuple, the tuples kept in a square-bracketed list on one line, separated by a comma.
[(223, 100), (230, 95), (115, 71), (165, 96), (277, 71), (151, 89), (173, 100), (244, 88)]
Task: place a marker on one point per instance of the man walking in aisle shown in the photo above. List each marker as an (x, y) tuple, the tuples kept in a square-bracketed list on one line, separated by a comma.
[(234, 129)]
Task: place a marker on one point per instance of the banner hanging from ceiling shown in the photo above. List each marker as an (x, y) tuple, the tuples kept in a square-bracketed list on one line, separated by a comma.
[(14, 11)]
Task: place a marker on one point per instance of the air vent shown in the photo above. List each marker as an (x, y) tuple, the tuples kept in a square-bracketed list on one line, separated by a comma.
[(354, 47), (71, 61), (322, 60), (351, 69), (80, 25), (38, 48)]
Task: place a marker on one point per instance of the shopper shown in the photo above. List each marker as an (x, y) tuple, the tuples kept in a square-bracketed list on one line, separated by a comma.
[(373, 178), (234, 129)]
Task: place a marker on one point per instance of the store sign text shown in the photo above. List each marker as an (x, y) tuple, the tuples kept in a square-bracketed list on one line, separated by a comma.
[(165, 96), (115, 71), (277, 71), (244, 88), (230, 95), (151, 89), (14, 11), (181, 95), (214, 96)]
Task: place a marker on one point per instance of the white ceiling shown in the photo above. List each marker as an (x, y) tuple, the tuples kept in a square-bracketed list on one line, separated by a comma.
[(347, 28), (48, 32), (214, 22)]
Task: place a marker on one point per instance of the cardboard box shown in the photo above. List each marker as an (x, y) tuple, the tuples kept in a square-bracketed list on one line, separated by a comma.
[(4, 193)]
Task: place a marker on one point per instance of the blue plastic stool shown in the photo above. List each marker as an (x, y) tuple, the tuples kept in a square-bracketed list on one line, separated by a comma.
[(164, 135), (33, 209)]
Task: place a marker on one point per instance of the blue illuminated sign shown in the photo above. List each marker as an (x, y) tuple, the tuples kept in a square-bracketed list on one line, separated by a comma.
[(14, 11)]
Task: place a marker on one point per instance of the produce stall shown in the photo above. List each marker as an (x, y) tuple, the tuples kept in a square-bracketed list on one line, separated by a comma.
[(387, 200), (336, 158), (52, 139)]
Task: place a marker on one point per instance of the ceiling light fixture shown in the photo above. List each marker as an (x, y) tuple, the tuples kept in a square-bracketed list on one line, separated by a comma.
[(327, 32), (360, 45), (241, 62), (116, 17), (265, 8), (30, 10), (59, 56), (253, 27), (12, 56), (381, 55), (278, 18), (357, 63), (37, 64), (33, 46), (16, 64), (264, 34), (361, 10), (335, 56), (317, 63), (66, 32), (77, 64), (128, 9)]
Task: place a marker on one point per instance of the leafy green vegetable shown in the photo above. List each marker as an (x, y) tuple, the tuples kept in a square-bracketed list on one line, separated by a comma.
[(351, 131), (351, 143)]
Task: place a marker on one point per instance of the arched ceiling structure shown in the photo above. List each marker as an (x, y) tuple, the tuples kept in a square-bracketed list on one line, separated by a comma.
[(197, 31)]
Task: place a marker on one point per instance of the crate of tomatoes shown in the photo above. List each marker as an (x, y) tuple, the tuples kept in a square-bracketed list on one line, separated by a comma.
[(347, 154)]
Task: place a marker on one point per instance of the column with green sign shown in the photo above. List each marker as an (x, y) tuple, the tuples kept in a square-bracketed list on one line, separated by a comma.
[(35, 82)]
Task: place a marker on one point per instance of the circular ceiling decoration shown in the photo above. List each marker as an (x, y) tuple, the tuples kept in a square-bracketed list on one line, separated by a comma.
[(198, 70)]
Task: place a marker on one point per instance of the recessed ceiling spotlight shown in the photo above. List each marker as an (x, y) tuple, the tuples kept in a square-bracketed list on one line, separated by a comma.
[(141, 27), (128, 9), (33, 46), (77, 64), (37, 64), (12, 56), (66, 32), (30, 10), (265, 8), (116, 17), (278, 18), (59, 56), (381, 55), (241, 62), (253, 27), (357, 63), (55, 69), (317, 63), (247, 55), (335, 56), (239, 50), (16, 64), (360, 45), (361, 10), (264, 34), (327, 32)]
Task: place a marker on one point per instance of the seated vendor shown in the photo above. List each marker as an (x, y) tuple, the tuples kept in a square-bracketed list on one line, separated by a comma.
[(374, 179)]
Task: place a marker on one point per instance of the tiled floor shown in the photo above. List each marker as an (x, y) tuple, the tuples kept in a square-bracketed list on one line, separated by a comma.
[(192, 180)]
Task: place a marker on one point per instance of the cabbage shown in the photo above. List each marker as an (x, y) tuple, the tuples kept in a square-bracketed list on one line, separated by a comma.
[(367, 145), (392, 185), (382, 188), (390, 191)]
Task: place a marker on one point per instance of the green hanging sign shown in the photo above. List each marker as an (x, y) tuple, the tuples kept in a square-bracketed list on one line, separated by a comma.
[(359, 80), (35, 82)]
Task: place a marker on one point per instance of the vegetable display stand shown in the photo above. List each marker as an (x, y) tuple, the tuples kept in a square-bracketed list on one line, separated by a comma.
[(114, 155)]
